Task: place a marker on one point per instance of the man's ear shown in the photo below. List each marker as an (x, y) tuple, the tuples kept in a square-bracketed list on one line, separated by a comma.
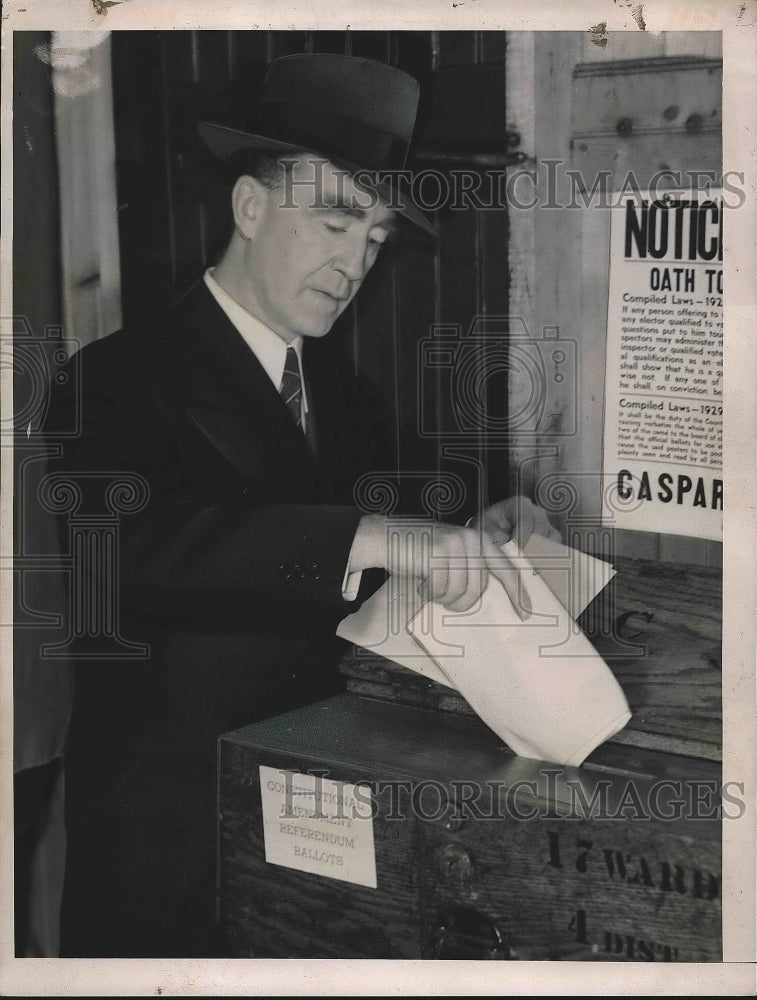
[(247, 199)]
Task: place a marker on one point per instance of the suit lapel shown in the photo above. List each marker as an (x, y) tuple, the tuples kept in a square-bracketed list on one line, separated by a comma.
[(229, 397)]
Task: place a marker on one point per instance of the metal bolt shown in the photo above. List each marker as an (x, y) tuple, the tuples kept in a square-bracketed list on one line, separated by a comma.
[(694, 123), (671, 112), (624, 126), (455, 863)]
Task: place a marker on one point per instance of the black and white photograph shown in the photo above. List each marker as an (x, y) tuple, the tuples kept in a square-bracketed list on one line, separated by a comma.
[(378, 529)]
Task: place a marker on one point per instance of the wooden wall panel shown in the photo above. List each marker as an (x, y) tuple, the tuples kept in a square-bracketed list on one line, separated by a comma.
[(415, 283), (547, 272), (285, 43), (214, 54), (369, 44), (493, 46), (458, 48), (189, 259), (141, 168), (495, 301), (181, 57), (559, 256), (632, 44), (248, 54), (329, 41)]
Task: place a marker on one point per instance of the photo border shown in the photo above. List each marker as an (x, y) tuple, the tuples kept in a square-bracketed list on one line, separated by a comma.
[(735, 976)]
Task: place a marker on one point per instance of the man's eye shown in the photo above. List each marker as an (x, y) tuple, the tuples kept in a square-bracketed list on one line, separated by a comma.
[(335, 229)]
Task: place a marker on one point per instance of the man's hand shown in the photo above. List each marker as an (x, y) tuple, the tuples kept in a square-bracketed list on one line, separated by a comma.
[(516, 517), (453, 563)]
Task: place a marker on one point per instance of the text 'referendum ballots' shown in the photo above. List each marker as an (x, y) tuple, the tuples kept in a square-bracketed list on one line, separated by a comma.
[(316, 825)]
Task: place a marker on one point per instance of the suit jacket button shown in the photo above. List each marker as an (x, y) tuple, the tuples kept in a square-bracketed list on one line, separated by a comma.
[(316, 572), (285, 571), (300, 571)]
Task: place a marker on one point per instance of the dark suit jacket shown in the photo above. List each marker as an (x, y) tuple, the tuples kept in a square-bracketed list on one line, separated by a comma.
[(231, 572)]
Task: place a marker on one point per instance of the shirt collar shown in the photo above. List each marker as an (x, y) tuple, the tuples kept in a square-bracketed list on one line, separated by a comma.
[(267, 346)]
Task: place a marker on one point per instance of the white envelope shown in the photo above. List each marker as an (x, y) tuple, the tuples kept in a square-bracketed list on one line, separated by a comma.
[(380, 623), (574, 577), (539, 684)]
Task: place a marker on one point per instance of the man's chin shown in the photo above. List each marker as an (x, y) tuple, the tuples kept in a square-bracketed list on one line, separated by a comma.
[(317, 329), (317, 336)]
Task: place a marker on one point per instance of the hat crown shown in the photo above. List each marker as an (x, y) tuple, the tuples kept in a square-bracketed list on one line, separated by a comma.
[(373, 93), (358, 113)]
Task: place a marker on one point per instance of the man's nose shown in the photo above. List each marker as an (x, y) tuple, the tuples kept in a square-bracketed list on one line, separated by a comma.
[(352, 256)]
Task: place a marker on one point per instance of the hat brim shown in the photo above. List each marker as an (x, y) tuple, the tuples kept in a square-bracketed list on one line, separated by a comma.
[(224, 141)]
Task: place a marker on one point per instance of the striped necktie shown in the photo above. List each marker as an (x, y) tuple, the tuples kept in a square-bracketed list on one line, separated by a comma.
[(291, 385)]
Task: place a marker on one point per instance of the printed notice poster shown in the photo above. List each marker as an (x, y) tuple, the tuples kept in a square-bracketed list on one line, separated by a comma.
[(664, 387)]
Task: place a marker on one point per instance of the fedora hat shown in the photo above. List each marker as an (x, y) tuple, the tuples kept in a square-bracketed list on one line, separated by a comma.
[(357, 113)]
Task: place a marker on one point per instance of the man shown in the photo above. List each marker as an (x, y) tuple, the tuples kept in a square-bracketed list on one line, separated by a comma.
[(248, 549)]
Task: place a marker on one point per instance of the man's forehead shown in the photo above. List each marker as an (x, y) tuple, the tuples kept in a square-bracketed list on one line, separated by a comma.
[(335, 189)]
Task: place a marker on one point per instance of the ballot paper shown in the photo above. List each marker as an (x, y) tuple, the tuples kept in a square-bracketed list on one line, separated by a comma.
[(380, 624), (538, 684)]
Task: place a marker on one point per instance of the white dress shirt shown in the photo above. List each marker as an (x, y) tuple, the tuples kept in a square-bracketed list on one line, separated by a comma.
[(270, 349)]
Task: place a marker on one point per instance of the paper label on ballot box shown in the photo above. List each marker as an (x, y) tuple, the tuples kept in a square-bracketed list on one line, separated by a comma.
[(316, 825)]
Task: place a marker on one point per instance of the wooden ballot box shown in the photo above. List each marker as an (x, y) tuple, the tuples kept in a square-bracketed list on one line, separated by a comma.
[(390, 822)]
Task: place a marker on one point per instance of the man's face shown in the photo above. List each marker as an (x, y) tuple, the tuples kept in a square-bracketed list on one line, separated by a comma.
[(313, 242)]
